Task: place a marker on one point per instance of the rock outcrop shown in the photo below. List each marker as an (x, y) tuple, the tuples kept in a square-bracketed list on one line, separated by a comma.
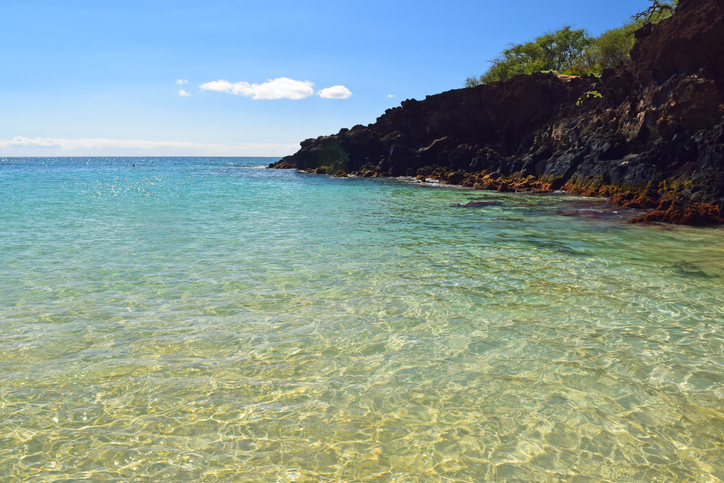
[(648, 134)]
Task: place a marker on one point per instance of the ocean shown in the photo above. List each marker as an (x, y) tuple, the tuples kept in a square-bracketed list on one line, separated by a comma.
[(210, 320)]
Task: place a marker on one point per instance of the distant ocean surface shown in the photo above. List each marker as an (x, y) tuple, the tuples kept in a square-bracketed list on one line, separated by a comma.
[(206, 319)]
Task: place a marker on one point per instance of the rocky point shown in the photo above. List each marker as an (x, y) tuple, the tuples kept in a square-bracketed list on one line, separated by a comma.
[(646, 135)]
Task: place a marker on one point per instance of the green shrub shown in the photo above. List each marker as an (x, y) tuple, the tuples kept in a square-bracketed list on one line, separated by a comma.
[(608, 51), (553, 51)]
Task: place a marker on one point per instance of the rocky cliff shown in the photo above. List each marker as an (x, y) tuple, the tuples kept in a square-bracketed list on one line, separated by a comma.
[(647, 135)]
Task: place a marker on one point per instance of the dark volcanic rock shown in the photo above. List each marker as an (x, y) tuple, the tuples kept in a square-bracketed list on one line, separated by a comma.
[(648, 135), (691, 42)]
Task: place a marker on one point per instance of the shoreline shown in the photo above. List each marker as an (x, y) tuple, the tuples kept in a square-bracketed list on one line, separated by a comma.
[(661, 204)]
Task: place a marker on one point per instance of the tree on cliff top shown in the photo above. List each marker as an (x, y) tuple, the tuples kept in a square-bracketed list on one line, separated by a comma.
[(571, 51), (607, 51), (552, 51)]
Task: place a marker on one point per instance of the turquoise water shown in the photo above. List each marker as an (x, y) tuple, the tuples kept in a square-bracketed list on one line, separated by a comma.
[(210, 320)]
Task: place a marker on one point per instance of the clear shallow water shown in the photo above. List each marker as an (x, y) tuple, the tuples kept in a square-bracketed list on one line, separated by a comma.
[(208, 320)]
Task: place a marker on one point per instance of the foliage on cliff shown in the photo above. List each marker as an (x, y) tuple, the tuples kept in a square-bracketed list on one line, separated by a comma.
[(570, 51), (553, 51)]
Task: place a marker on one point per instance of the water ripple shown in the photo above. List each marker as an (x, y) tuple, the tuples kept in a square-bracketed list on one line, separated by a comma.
[(200, 320)]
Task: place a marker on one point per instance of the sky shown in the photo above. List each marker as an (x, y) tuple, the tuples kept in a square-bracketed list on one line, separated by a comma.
[(244, 78)]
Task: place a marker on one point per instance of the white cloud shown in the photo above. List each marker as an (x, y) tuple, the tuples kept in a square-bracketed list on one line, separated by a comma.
[(390, 95), (183, 93), (218, 86), (23, 146), (182, 81), (335, 92), (279, 88)]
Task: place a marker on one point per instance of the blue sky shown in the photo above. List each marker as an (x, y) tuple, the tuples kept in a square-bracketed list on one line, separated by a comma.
[(101, 77)]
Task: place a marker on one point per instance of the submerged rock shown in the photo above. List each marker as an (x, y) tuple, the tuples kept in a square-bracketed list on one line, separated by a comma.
[(477, 204)]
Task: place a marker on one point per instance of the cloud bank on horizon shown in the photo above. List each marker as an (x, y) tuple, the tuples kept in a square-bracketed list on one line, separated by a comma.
[(279, 88), (38, 146)]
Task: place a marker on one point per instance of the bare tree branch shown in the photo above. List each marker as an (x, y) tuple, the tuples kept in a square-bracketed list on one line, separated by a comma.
[(655, 10)]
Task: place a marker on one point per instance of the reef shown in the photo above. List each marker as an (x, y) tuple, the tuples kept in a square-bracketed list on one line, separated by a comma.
[(647, 135)]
